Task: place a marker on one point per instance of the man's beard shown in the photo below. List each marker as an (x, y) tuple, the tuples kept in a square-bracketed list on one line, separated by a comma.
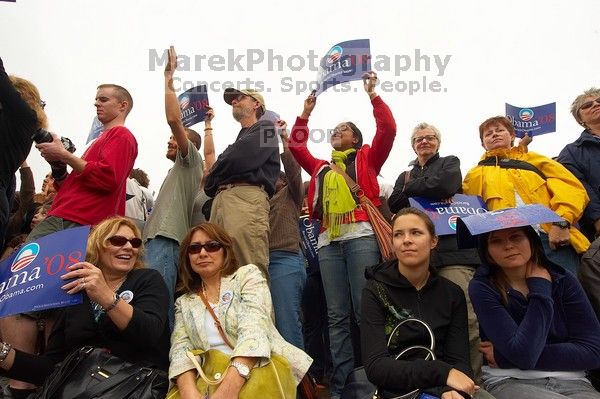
[(240, 113)]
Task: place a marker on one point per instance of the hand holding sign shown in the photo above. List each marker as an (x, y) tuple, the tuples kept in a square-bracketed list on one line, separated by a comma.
[(210, 114), (369, 83), (309, 105), (89, 278)]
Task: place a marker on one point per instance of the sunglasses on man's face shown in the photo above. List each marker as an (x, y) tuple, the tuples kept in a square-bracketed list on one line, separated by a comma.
[(588, 104), (119, 241), (209, 246)]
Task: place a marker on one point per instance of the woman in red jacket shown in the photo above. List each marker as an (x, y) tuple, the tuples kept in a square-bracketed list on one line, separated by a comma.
[(347, 243)]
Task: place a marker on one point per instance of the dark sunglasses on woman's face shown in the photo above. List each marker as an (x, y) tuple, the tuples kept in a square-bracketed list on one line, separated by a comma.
[(119, 241), (588, 104), (210, 246)]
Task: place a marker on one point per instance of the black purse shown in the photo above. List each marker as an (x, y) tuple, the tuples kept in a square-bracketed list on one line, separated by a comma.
[(93, 373), (358, 385)]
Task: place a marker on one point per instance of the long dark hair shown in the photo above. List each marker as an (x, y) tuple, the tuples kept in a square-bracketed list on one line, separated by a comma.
[(497, 276), (189, 280)]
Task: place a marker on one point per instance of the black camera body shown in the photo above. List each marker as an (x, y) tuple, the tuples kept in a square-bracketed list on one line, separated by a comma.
[(43, 136), (59, 169)]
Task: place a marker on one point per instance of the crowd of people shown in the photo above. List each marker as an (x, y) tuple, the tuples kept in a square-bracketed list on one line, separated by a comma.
[(215, 261)]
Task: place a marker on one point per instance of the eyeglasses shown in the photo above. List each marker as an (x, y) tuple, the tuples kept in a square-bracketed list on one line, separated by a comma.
[(429, 138), (42, 104), (209, 246), (119, 241), (340, 129), (588, 104)]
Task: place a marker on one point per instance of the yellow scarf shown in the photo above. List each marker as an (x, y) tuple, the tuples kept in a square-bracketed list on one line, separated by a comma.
[(338, 203)]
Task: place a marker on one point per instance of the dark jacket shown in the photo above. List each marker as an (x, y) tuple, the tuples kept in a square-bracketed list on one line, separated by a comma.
[(582, 158), (440, 303), (554, 328), (440, 178), (253, 158), (17, 123), (145, 340)]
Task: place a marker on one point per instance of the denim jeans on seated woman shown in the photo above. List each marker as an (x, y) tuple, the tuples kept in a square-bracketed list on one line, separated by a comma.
[(542, 388)]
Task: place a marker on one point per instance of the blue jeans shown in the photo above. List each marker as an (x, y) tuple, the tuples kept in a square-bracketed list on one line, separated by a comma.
[(562, 256), (287, 276), (162, 254), (542, 388), (343, 266)]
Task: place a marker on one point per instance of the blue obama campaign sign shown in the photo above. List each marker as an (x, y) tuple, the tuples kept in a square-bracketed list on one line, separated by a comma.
[(193, 104), (270, 116), (533, 120), (30, 278), (444, 214), (309, 238), (469, 227), (344, 62)]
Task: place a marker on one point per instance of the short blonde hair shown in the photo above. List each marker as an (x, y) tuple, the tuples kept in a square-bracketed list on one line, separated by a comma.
[(98, 240), (121, 93)]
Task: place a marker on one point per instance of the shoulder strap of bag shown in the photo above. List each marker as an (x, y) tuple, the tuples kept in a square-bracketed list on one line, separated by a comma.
[(134, 375), (216, 319), (506, 163), (385, 300), (354, 187)]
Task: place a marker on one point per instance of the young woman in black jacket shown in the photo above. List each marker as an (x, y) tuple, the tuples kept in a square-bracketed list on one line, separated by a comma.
[(410, 288)]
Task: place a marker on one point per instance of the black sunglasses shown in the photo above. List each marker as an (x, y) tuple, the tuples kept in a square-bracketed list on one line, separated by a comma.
[(209, 246), (119, 241), (42, 104), (588, 104)]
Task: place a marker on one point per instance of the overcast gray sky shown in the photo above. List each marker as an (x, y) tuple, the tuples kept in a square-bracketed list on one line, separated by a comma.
[(524, 53)]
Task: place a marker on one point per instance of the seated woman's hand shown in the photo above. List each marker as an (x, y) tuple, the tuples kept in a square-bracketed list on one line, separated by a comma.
[(535, 270), (451, 395), (461, 382), (230, 387), (89, 278), (487, 349)]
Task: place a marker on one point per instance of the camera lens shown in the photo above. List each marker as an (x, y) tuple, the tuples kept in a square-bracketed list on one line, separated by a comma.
[(42, 136)]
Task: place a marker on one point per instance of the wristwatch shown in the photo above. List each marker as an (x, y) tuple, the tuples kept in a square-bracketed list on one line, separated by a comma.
[(563, 225), (242, 369)]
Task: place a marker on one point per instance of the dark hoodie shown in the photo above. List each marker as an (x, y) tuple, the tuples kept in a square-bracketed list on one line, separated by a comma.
[(440, 303), (554, 328)]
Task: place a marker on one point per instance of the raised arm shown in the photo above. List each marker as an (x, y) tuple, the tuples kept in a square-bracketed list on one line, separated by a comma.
[(172, 110), (300, 135), (384, 120), (209, 144), (290, 167)]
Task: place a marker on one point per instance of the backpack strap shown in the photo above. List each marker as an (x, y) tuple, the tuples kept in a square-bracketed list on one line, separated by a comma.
[(506, 163)]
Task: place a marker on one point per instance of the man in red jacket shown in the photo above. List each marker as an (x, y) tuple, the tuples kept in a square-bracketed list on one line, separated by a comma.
[(92, 192), (95, 188)]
